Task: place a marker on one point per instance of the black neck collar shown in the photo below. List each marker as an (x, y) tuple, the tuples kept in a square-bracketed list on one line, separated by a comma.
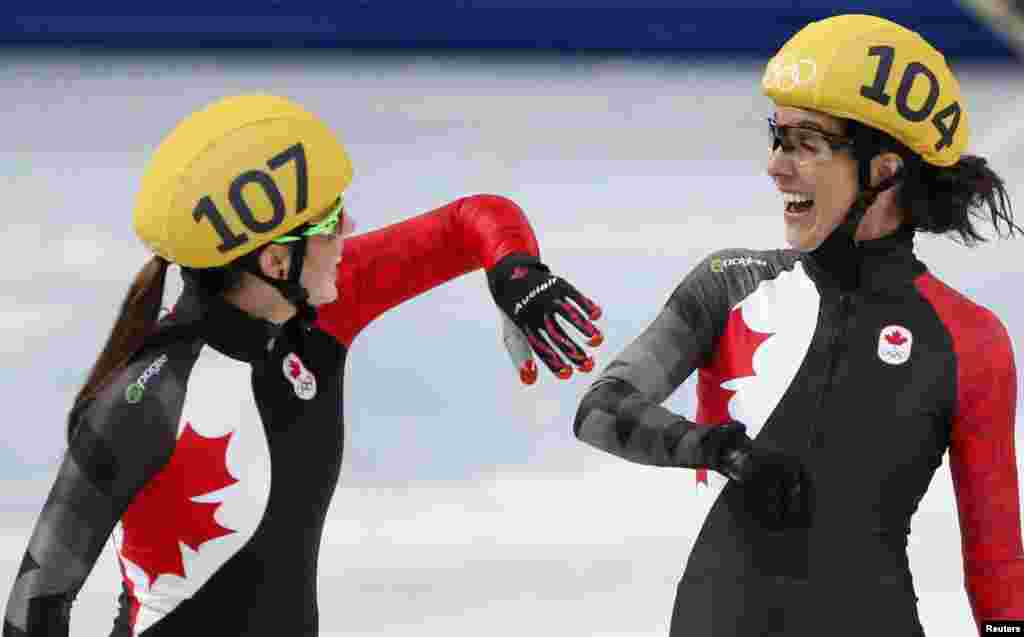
[(224, 326), (868, 265)]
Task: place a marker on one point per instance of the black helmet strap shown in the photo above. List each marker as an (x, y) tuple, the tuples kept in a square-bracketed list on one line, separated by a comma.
[(291, 289), (840, 253), (865, 147)]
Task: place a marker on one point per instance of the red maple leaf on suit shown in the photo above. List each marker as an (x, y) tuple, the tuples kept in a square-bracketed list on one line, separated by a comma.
[(294, 368), (163, 513), (733, 358), (895, 338)]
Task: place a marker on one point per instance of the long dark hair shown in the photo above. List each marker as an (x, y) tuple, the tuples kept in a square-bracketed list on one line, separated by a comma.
[(944, 199), (140, 314), (140, 311)]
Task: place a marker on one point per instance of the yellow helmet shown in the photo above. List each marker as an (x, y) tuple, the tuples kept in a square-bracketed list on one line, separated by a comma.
[(878, 73), (235, 175)]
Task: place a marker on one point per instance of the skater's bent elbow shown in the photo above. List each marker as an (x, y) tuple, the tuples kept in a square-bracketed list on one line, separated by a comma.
[(595, 422)]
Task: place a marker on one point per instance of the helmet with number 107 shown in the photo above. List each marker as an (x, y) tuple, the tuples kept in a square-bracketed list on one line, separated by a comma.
[(236, 175)]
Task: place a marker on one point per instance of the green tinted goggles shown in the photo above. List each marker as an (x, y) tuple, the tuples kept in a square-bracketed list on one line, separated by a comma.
[(330, 227)]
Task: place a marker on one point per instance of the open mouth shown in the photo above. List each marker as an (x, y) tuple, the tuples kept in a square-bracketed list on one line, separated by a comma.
[(797, 203)]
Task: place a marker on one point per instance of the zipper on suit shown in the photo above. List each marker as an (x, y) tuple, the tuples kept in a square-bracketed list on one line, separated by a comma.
[(816, 439)]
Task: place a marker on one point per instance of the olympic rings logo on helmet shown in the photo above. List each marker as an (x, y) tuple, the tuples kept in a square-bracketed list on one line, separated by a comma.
[(786, 75)]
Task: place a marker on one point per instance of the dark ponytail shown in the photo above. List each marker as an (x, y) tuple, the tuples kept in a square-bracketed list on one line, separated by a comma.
[(140, 311), (944, 199)]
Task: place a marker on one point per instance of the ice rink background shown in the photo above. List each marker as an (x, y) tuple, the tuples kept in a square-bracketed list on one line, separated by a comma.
[(466, 507)]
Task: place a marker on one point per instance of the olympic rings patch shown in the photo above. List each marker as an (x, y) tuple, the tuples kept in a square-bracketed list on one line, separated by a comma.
[(786, 75)]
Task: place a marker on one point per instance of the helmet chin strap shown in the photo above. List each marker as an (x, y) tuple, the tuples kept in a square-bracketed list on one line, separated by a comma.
[(839, 253), (291, 289), (866, 197)]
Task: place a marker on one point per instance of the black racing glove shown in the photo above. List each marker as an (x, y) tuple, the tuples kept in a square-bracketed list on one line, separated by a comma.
[(531, 298), (777, 488)]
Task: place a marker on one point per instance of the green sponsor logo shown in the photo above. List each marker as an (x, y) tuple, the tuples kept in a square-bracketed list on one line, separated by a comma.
[(718, 264), (133, 393)]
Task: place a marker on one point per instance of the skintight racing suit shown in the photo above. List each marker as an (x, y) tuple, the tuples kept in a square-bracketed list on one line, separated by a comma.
[(866, 371), (225, 435)]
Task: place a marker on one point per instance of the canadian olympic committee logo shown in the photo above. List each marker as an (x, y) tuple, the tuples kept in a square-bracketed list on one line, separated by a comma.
[(302, 379), (894, 344)]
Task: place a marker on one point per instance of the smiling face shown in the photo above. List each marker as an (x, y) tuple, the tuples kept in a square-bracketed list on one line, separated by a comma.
[(815, 173)]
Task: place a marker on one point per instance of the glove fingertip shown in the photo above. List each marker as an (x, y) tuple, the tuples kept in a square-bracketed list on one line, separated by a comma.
[(528, 373)]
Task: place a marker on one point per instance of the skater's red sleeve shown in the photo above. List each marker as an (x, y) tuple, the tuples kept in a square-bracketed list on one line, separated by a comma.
[(381, 269), (983, 460)]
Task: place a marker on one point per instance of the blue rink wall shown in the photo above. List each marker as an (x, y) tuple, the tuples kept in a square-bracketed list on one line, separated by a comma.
[(708, 28)]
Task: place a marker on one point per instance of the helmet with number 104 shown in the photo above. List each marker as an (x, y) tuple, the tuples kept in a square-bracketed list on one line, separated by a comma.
[(878, 73), (236, 175)]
